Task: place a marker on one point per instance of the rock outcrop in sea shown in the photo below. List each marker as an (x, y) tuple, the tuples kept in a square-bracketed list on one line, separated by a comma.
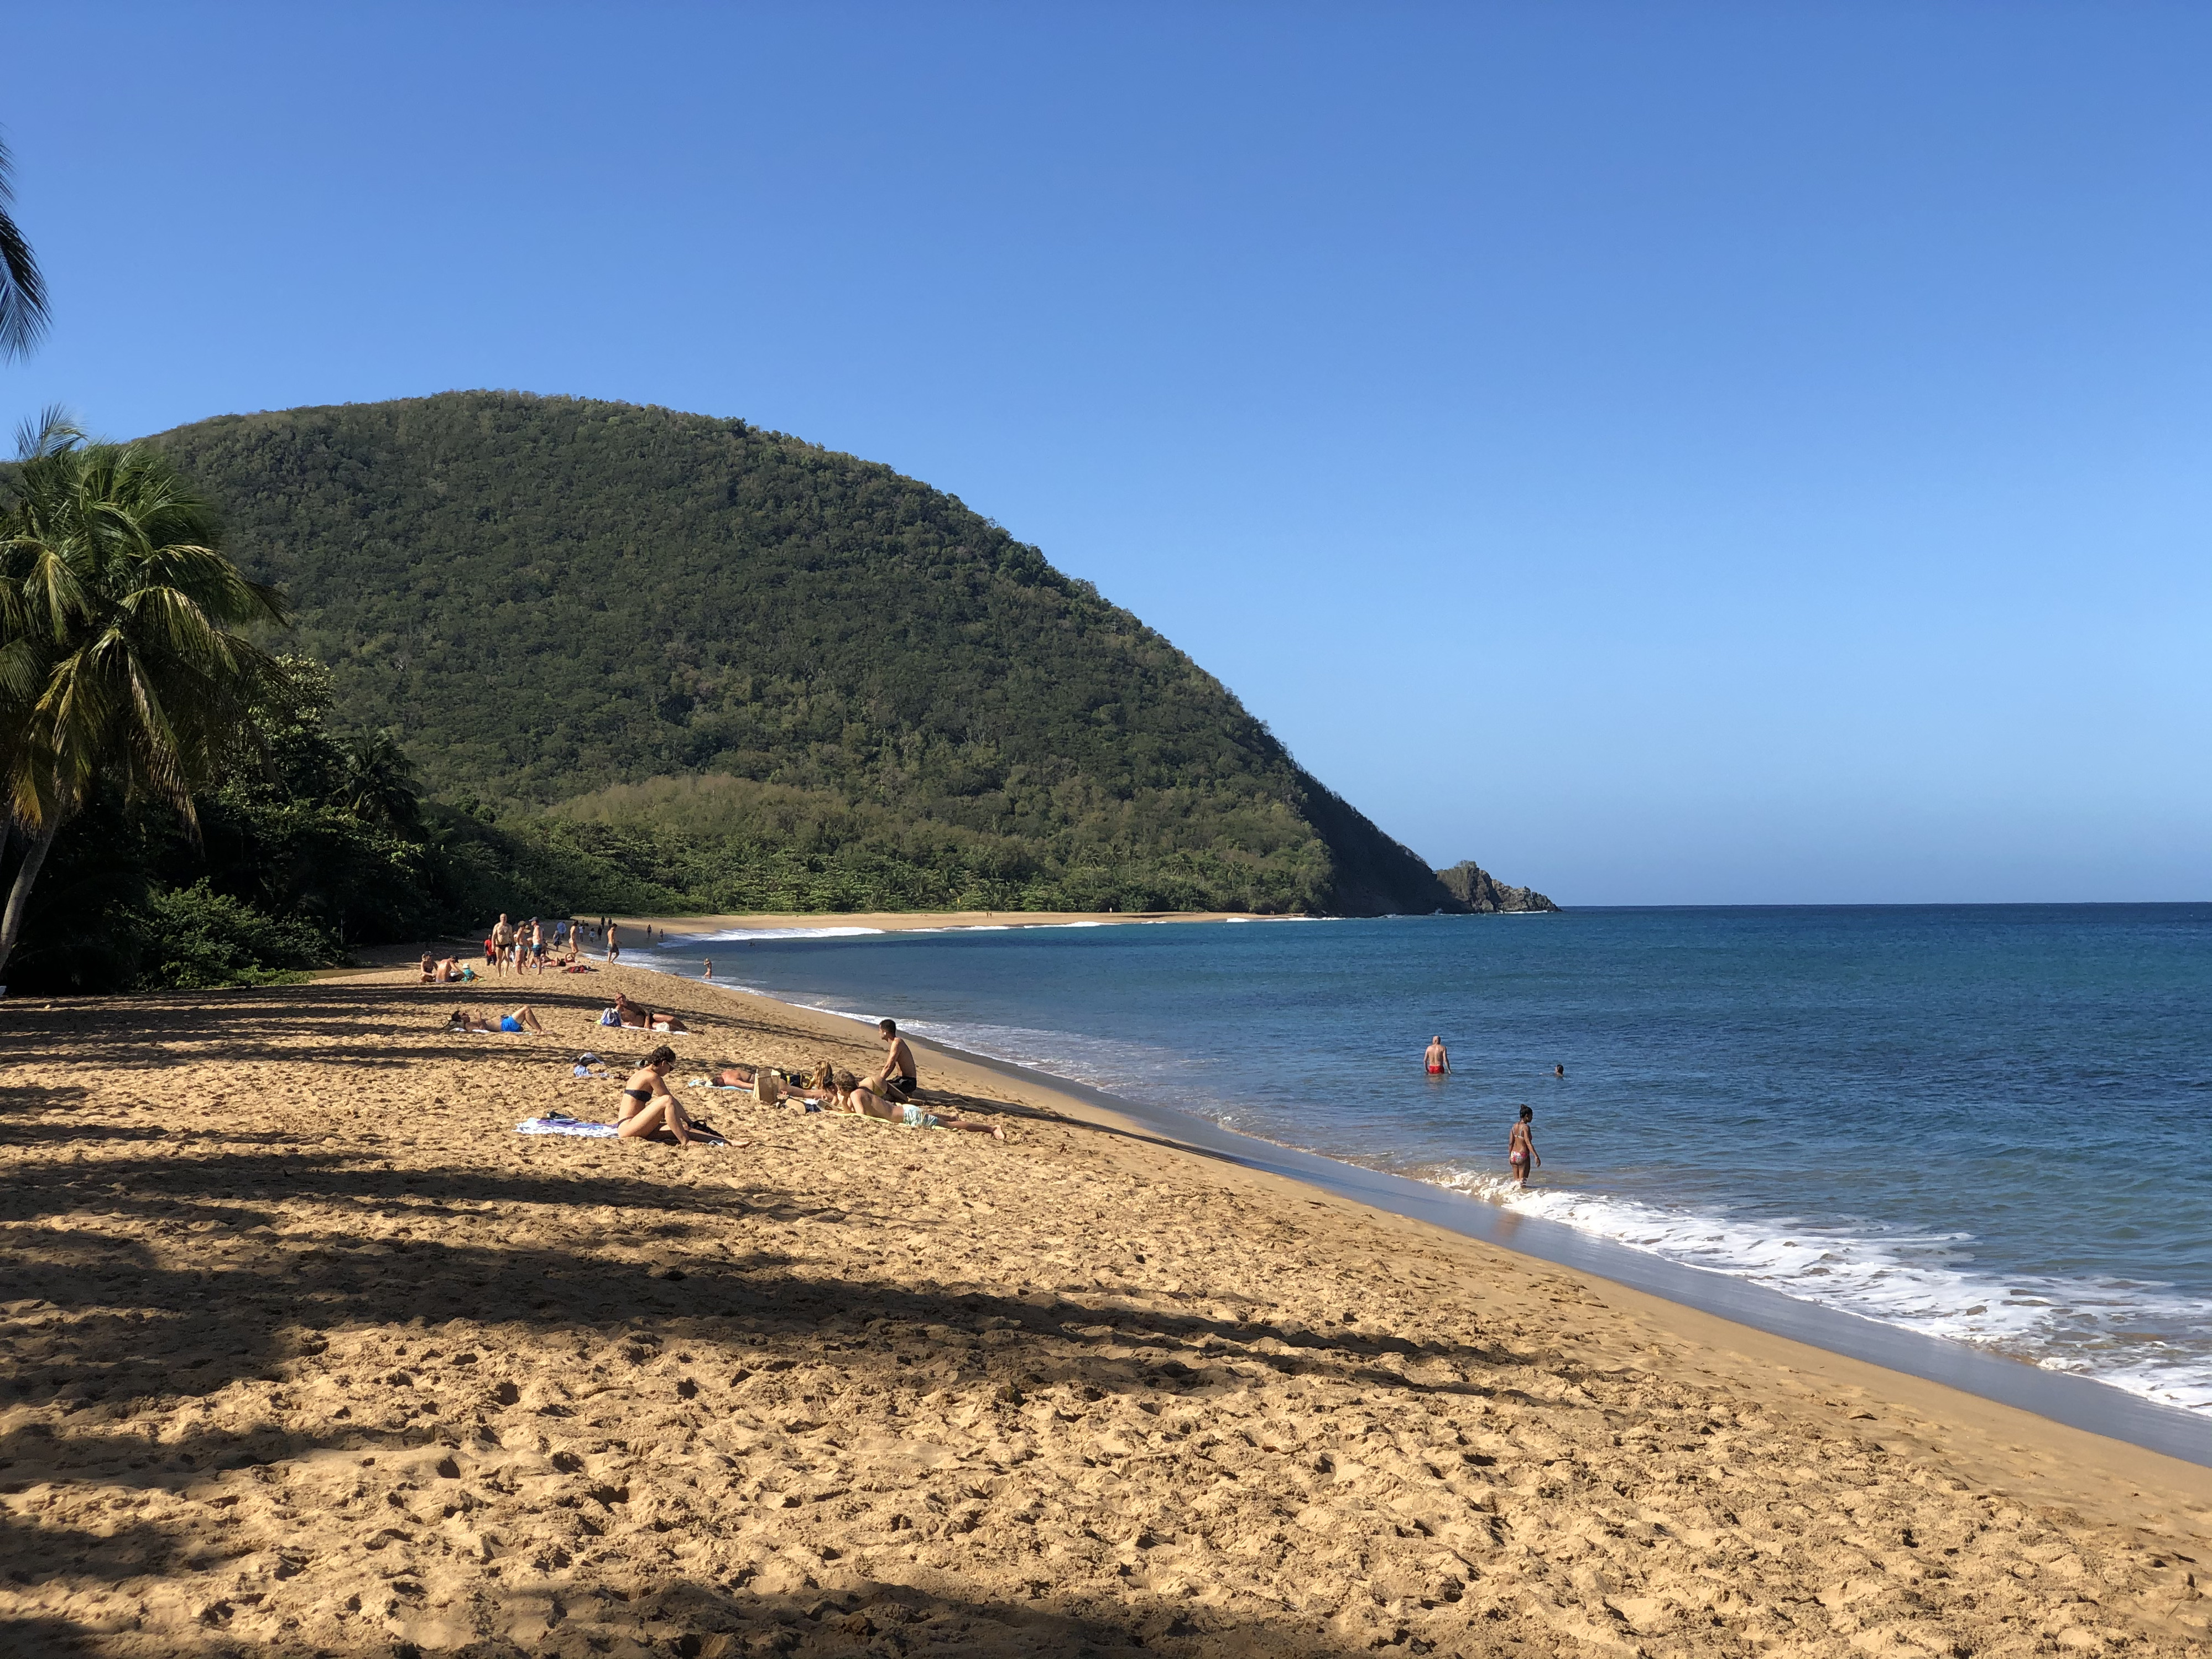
[(1483, 894)]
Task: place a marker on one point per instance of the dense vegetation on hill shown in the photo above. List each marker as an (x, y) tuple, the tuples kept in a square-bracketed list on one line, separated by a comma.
[(736, 669)]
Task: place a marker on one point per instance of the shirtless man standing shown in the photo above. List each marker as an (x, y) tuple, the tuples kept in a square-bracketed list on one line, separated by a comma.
[(1521, 1146), (503, 939), (614, 947), (898, 1079), (1439, 1061)]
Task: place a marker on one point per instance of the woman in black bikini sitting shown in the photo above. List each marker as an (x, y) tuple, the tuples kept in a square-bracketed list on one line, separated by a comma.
[(647, 1107)]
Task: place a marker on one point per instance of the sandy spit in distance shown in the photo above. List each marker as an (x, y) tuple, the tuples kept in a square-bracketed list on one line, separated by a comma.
[(307, 1351)]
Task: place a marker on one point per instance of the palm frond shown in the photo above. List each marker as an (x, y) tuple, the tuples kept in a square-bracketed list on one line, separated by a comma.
[(24, 314), (52, 432)]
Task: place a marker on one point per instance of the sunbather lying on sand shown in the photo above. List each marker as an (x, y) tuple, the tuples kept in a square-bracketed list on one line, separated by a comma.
[(856, 1097), (648, 1108), (640, 1018), (522, 1019)]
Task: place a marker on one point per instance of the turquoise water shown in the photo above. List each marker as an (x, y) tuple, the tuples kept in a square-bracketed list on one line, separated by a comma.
[(1988, 1123)]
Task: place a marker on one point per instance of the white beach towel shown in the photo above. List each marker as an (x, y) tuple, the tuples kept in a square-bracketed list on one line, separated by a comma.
[(557, 1125)]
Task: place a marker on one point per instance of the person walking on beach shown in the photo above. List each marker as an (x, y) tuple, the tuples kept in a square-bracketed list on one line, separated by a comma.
[(503, 939), (1521, 1146), (1438, 1058), (614, 946)]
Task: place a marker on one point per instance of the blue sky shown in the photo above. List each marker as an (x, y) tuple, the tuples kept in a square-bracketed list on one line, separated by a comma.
[(1672, 453)]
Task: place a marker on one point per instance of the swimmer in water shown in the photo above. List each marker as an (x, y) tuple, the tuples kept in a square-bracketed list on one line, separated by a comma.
[(1439, 1061), (1559, 1072), (1521, 1146)]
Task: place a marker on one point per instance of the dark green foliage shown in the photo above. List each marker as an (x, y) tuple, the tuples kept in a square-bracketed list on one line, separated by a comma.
[(721, 663), (198, 938), (308, 846)]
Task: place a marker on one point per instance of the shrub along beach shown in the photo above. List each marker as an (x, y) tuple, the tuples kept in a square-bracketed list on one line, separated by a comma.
[(309, 1351)]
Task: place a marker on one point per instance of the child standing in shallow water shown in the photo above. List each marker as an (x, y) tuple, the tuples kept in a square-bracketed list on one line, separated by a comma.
[(1521, 1146)]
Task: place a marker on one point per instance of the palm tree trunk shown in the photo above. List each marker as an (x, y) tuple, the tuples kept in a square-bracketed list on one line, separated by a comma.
[(26, 877)]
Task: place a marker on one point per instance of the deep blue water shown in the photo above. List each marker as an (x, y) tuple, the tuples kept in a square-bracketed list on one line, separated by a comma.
[(1992, 1123)]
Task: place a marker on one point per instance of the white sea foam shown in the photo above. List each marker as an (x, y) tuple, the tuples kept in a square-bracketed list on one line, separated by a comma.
[(734, 935), (2120, 1331)]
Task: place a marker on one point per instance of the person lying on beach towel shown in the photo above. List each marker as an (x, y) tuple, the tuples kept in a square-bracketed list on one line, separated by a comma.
[(855, 1095), (647, 1109)]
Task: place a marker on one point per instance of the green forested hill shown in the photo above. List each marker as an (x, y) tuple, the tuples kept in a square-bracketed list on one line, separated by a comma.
[(761, 673)]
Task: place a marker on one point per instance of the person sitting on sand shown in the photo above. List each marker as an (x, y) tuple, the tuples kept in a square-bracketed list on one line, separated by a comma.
[(648, 1108), (895, 1079), (1521, 1146), (855, 1095)]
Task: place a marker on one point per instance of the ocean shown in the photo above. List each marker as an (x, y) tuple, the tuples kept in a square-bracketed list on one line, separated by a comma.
[(1987, 1123)]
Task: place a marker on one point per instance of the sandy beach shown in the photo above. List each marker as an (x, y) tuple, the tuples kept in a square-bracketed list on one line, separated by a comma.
[(308, 1352)]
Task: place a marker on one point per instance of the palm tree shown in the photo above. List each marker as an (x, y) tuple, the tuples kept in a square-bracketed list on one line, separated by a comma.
[(121, 658), (23, 290)]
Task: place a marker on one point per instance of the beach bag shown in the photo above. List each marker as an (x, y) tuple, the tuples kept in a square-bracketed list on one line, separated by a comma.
[(768, 1085), (610, 1018)]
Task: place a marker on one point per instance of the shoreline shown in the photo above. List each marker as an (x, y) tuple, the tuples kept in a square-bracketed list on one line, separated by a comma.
[(311, 1351), (906, 921), (2079, 1402), (2071, 1399)]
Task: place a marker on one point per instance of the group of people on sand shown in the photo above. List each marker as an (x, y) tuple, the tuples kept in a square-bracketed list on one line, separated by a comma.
[(1521, 1154), (647, 1107), (528, 945)]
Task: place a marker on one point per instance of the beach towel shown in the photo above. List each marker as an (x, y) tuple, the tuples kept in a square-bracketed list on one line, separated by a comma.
[(561, 1124)]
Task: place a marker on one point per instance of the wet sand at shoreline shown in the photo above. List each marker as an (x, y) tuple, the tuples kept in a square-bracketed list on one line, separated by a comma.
[(307, 1350)]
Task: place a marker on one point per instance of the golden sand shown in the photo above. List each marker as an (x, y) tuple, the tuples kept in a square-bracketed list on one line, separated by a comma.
[(307, 1351)]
